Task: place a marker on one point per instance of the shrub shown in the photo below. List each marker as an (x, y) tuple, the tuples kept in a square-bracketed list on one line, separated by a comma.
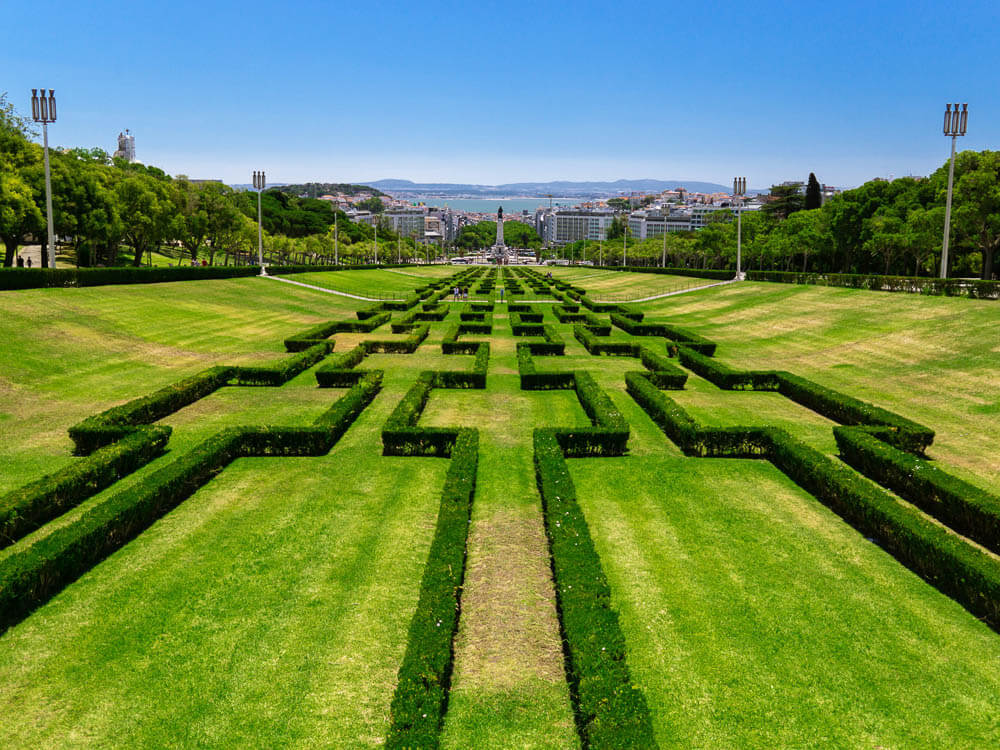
[(424, 680), (848, 410), (662, 373), (959, 505), (401, 436), (532, 380), (476, 378), (612, 348), (119, 421), (404, 346), (33, 573), (724, 376), (282, 371), (339, 372), (610, 710), (29, 507)]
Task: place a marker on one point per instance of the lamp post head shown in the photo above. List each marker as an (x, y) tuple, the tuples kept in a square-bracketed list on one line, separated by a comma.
[(43, 107), (955, 121)]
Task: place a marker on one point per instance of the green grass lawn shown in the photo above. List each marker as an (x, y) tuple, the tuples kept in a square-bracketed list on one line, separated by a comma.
[(272, 607), (622, 286), (932, 359), (379, 283), (756, 618)]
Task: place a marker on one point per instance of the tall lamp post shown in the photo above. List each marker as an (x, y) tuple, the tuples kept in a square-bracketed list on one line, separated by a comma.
[(739, 190), (954, 125), (376, 239), (43, 110), (259, 182), (336, 250)]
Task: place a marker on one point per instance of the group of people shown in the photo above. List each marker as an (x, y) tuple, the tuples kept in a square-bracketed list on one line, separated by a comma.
[(460, 293), (21, 263)]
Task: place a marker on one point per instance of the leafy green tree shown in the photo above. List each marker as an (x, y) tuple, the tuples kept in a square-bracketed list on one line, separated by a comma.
[(976, 205), (373, 204), (814, 196), (149, 211), (19, 213), (784, 201)]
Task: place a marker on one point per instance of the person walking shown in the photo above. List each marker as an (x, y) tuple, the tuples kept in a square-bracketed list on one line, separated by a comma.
[(501, 294)]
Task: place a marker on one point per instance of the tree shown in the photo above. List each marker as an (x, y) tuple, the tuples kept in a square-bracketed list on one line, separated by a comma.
[(19, 214), (814, 196), (149, 212), (192, 224), (373, 204), (784, 201), (976, 212)]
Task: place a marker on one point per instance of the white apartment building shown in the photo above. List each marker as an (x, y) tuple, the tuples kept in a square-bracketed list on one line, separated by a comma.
[(645, 224), (563, 226), (406, 220)]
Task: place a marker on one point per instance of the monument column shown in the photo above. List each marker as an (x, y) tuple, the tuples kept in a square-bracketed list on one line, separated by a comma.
[(499, 242)]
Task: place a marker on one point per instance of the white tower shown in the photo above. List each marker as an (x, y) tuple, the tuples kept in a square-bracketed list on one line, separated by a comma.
[(499, 242)]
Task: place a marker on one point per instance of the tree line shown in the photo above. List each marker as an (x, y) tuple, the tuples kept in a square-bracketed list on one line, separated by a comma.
[(110, 212), (882, 227)]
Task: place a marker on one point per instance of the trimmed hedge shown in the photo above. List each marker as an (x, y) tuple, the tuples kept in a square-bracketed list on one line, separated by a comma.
[(961, 506), (318, 334), (450, 344), (29, 507), (609, 709), (119, 421), (908, 435), (725, 377), (29, 576), (662, 373), (608, 436), (974, 288), (282, 371), (611, 348), (339, 372), (632, 326), (398, 346), (532, 380), (698, 273), (475, 378), (421, 697), (947, 561), (39, 278), (401, 436)]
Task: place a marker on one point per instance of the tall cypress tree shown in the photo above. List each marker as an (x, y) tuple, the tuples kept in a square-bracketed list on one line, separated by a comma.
[(814, 199)]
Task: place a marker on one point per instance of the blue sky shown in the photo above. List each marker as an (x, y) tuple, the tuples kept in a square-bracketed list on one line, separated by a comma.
[(488, 92)]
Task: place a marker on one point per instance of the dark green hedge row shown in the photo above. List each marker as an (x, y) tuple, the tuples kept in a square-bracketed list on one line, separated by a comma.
[(947, 561), (29, 576), (974, 288), (474, 378), (339, 372), (961, 506), (450, 344), (521, 328), (599, 307), (611, 348), (29, 507), (282, 371), (908, 435), (421, 697), (663, 373), (401, 436), (318, 334), (117, 422), (398, 346), (38, 278), (724, 376), (631, 326), (608, 436), (690, 339), (532, 380), (610, 710), (698, 273)]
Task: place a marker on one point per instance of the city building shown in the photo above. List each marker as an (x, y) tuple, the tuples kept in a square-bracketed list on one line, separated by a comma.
[(645, 224), (406, 220), (563, 226)]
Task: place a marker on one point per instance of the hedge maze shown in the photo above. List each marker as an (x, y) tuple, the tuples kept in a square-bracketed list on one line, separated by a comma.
[(947, 531)]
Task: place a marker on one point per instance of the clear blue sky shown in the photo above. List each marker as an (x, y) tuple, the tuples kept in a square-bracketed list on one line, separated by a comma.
[(499, 92)]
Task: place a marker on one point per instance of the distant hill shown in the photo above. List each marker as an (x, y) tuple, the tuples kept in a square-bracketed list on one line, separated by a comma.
[(560, 188), (316, 189)]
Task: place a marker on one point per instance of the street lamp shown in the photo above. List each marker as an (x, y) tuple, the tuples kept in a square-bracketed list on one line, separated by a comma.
[(954, 125), (739, 190), (43, 110), (259, 182), (336, 249)]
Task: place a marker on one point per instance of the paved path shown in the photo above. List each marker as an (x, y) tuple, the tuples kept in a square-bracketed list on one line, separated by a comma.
[(328, 291)]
